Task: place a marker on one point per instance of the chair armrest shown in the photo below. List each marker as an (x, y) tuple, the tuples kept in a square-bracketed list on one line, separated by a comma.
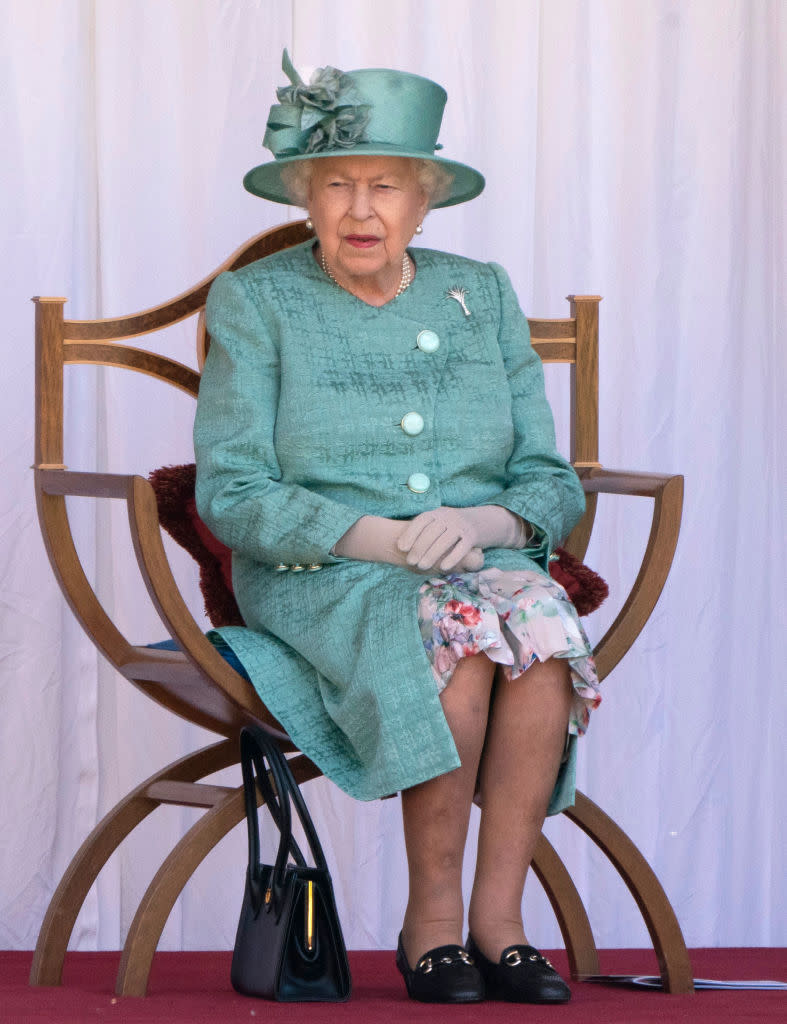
[(599, 480), (667, 494), (67, 482)]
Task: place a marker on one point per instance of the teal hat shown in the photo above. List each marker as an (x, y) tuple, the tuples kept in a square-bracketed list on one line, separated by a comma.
[(372, 112)]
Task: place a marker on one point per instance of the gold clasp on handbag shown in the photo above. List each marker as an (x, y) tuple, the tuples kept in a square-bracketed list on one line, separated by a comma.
[(309, 917)]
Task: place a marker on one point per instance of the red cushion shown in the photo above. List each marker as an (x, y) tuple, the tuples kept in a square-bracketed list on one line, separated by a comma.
[(174, 487), (220, 551), (585, 587)]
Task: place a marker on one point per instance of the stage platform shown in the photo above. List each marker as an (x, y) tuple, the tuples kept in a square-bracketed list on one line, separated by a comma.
[(194, 988)]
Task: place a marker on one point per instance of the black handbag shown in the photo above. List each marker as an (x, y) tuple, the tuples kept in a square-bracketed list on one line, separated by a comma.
[(289, 944)]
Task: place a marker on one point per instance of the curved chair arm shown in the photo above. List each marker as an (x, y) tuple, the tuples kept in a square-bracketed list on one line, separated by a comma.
[(667, 494), (165, 594), (214, 696)]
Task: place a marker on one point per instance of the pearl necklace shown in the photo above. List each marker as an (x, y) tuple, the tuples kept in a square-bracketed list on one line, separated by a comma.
[(407, 273)]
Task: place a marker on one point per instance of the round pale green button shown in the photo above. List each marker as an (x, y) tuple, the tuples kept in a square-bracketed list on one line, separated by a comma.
[(412, 423), (418, 483), (427, 341)]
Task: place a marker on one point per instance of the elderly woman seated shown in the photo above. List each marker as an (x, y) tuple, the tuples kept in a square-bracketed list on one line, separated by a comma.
[(374, 443)]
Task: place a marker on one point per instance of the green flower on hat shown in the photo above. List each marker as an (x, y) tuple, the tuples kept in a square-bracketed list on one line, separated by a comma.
[(320, 115)]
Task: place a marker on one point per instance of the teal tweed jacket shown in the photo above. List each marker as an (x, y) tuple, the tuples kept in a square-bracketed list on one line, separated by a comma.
[(299, 432)]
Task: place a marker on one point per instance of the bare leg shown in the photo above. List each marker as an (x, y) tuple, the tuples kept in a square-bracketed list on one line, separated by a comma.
[(524, 746), (436, 815)]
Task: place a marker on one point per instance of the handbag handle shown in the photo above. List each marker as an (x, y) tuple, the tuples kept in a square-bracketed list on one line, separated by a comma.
[(279, 789), (252, 756)]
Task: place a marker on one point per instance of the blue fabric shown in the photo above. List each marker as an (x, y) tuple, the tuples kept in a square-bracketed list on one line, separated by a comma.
[(221, 646)]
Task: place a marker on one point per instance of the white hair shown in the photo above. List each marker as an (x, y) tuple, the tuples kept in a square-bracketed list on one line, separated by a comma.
[(434, 180)]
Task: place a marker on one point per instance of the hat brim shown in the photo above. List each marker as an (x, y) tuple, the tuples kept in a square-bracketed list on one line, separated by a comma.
[(265, 180)]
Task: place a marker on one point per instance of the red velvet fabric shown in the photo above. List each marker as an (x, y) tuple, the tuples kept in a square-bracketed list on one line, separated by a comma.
[(174, 487), (585, 587)]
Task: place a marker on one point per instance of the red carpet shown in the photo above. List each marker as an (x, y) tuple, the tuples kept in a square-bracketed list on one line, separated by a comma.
[(195, 988)]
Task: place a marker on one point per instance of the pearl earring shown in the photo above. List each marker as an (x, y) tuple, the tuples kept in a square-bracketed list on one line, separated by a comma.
[(309, 225), (419, 229)]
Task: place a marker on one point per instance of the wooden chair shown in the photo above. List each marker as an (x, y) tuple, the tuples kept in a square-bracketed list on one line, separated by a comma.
[(200, 686)]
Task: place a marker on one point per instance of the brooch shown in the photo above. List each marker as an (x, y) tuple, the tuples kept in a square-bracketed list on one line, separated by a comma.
[(459, 295)]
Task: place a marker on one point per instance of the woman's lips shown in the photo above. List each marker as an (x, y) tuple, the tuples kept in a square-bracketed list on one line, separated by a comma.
[(362, 241)]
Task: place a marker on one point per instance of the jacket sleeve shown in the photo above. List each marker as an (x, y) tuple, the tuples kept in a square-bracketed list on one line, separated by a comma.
[(542, 486), (240, 493)]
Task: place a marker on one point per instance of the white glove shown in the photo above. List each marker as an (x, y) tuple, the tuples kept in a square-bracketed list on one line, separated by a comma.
[(374, 539), (445, 538)]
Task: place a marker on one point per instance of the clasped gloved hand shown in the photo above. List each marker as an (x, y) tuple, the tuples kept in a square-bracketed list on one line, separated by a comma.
[(444, 538), (450, 538), (375, 539)]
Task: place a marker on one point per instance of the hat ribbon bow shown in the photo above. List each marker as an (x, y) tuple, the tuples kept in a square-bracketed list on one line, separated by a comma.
[(320, 115)]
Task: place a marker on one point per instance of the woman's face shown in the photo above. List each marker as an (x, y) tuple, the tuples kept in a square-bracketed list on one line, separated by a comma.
[(365, 210)]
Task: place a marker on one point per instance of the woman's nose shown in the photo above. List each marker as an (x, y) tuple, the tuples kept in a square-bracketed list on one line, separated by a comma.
[(361, 207)]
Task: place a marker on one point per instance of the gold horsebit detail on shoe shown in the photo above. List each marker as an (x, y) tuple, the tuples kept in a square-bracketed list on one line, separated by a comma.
[(427, 964), (514, 959)]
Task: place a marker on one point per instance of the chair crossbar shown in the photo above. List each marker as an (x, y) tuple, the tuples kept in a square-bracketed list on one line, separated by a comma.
[(127, 357), (555, 350), (144, 322)]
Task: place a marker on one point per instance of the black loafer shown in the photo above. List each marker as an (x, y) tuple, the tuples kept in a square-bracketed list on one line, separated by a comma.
[(445, 974), (522, 975)]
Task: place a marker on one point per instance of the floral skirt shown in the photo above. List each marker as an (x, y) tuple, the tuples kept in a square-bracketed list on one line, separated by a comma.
[(514, 618)]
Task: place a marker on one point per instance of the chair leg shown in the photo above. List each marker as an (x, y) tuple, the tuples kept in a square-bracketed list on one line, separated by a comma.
[(569, 910), (157, 903), (109, 833), (657, 912)]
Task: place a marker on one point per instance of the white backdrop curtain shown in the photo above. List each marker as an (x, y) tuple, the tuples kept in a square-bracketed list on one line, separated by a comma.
[(632, 148)]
